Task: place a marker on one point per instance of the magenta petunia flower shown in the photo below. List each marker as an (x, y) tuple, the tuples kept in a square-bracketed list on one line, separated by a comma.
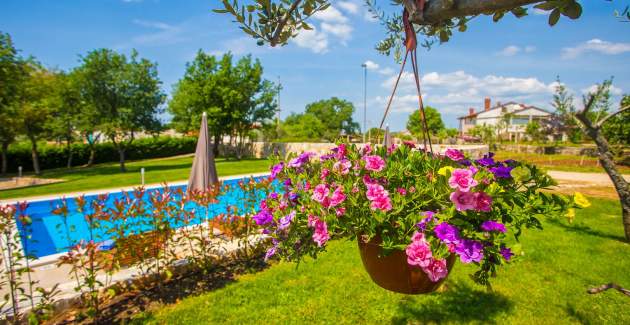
[(491, 225), (337, 197), (483, 202), (469, 251), (276, 169), (264, 217), (325, 173), (320, 236), (436, 270), (463, 200), (320, 193), (506, 253), (382, 203), (401, 191), (462, 179), (374, 163), (454, 154), (301, 159)]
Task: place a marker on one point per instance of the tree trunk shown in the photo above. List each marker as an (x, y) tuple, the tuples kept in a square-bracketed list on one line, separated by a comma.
[(35, 156), (5, 162), (215, 147), (92, 155), (121, 153), (606, 160), (70, 153)]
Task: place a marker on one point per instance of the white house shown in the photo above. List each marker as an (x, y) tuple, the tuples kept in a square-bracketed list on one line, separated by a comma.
[(519, 116)]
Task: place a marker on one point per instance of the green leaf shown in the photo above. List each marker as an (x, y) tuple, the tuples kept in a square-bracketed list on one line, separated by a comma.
[(498, 15), (573, 10), (554, 17)]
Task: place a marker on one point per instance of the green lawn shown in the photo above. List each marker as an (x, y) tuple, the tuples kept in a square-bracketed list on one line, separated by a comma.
[(569, 163), (546, 286), (109, 175)]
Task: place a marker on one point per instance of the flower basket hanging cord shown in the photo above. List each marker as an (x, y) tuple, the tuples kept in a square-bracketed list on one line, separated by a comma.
[(413, 212)]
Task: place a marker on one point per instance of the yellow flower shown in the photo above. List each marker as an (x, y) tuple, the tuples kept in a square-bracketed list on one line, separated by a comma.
[(444, 171), (570, 214), (580, 200)]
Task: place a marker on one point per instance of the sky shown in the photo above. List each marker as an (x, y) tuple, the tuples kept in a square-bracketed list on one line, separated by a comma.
[(512, 60)]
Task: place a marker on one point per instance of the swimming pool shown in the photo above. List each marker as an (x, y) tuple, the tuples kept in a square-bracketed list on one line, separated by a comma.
[(48, 233)]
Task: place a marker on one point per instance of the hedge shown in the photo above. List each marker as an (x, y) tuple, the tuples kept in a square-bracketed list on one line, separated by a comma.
[(55, 156)]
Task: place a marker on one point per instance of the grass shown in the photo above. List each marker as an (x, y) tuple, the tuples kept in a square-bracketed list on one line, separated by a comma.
[(109, 176), (546, 286), (569, 163)]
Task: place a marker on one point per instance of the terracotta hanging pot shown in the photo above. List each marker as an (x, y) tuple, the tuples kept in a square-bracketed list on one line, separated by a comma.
[(393, 273)]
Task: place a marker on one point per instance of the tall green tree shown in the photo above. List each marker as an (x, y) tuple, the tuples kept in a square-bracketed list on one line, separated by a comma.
[(302, 127), (434, 121), (617, 128), (125, 93), (565, 112), (235, 96), (12, 76), (36, 105), (66, 111), (336, 115)]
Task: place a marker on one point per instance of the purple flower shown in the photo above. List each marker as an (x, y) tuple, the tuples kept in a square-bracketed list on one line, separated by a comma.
[(273, 195), (469, 251), (491, 225), (293, 197), (264, 217), (501, 171), (288, 182), (454, 154), (465, 162), (506, 253), (301, 159), (487, 160), (270, 252), (326, 157), (285, 221), (276, 169), (447, 233), (428, 217)]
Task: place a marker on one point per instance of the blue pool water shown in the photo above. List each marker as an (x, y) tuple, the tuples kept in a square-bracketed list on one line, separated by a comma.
[(49, 235)]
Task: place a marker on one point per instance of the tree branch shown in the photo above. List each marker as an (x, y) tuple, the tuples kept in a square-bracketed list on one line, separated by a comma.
[(436, 11), (602, 121), (283, 22), (581, 115), (609, 286)]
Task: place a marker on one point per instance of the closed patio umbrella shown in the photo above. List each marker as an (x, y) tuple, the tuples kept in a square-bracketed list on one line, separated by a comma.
[(203, 174), (387, 138)]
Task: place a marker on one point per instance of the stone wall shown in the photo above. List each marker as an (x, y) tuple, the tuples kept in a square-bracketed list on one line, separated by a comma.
[(586, 150), (265, 149)]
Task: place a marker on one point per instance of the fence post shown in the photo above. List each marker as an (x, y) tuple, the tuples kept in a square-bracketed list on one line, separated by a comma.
[(142, 175)]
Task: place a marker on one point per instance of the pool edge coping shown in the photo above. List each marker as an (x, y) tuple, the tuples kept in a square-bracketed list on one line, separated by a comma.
[(113, 189)]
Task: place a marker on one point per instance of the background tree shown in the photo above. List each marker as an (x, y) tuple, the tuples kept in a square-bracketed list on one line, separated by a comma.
[(434, 122), (125, 93), (12, 76), (617, 128), (235, 97), (535, 131), (565, 112), (336, 115), (65, 111), (487, 133), (36, 104), (302, 127)]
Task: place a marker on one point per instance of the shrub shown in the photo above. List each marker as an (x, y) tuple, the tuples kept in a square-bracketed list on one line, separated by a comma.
[(55, 156)]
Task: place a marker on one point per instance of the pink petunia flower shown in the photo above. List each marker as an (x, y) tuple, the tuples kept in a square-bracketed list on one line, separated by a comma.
[(463, 200), (325, 173), (382, 203), (462, 179), (419, 254), (320, 193), (342, 167), (436, 270), (483, 202), (374, 163), (337, 197), (321, 236), (454, 154)]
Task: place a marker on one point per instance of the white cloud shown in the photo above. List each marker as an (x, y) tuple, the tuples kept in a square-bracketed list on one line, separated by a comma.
[(455, 92), (595, 45), (509, 50), (331, 15), (163, 34), (312, 39), (349, 6), (593, 88), (341, 31), (371, 65), (386, 71), (153, 24), (512, 50)]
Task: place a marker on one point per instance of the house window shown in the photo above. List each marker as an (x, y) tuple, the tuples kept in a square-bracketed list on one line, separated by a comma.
[(520, 120), (470, 121)]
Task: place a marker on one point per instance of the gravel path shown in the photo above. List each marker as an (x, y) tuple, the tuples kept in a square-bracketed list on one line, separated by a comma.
[(593, 178)]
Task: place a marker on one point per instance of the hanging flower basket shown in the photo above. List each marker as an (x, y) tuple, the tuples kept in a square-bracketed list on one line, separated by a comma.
[(413, 212)]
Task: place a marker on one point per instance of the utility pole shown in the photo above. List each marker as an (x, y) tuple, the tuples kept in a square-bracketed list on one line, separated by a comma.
[(278, 108), (364, 66)]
